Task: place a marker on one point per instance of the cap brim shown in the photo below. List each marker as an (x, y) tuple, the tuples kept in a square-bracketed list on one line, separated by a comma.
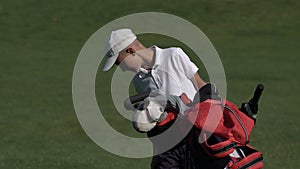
[(110, 59)]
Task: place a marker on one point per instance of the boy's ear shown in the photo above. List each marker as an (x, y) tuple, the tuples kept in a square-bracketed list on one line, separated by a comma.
[(130, 50)]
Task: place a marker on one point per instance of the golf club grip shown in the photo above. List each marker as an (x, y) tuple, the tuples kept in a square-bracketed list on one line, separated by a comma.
[(139, 97), (258, 91)]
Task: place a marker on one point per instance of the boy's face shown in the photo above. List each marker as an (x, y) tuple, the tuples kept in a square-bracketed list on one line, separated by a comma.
[(128, 62)]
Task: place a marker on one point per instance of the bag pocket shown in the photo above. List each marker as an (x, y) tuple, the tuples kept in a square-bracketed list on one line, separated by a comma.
[(253, 159), (217, 147)]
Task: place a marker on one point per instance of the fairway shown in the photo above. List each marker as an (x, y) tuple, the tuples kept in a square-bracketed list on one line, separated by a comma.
[(257, 41)]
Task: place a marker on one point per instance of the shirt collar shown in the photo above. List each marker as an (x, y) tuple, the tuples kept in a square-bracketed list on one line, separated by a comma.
[(157, 56)]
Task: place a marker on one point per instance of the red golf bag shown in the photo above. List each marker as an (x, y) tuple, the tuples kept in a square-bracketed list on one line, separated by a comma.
[(222, 128)]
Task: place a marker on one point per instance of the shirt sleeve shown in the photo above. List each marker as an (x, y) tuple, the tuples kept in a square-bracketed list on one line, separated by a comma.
[(188, 66)]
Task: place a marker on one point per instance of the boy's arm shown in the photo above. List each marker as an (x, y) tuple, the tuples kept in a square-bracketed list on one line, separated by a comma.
[(197, 81)]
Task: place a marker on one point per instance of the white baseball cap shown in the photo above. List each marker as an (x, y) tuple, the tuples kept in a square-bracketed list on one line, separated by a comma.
[(118, 40)]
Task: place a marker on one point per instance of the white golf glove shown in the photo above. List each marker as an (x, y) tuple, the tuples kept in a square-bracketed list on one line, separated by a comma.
[(155, 107), (152, 113), (153, 110), (141, 121)]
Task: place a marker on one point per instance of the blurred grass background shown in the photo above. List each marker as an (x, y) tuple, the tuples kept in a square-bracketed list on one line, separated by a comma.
[(258, 42)]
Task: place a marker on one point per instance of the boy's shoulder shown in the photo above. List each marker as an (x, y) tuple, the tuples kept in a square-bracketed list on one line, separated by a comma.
[(169, 53), (170, 49)]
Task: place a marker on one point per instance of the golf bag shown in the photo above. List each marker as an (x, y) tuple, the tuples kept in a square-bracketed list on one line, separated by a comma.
[(222, 129)]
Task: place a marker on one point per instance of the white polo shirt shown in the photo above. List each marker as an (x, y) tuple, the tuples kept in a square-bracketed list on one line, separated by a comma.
[(171, 74)]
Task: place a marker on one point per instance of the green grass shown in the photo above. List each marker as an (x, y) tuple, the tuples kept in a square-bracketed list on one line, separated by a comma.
[(258, 42)]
